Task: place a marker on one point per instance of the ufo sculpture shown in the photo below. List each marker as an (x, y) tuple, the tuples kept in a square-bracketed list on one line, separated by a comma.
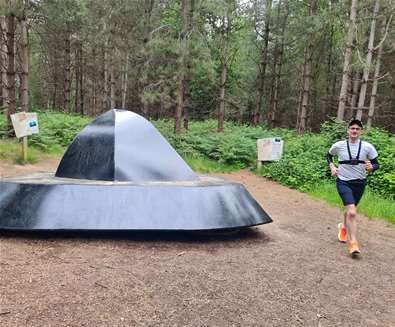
[(119, 173)]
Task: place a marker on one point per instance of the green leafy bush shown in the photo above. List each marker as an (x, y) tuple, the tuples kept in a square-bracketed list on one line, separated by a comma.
[(235, 146), (303, 164), (57, 130)]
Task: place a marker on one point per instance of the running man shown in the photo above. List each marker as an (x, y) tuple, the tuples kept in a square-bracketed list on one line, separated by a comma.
[(355, 158)]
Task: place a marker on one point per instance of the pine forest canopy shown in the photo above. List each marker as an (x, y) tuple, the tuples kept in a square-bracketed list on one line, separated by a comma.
[(283, 63)]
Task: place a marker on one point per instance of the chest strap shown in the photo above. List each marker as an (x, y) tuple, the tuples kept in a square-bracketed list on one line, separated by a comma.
[(352, 161)]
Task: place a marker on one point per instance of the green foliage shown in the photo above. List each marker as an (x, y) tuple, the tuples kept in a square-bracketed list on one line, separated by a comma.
[(302, 167), (303, 164), (235, 146), (371, 205), (31, 159), (57, 130), (12, 151), (383, 180), (206, 166)]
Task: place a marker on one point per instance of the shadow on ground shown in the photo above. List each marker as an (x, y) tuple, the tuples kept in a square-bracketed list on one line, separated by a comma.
[(220, 236)]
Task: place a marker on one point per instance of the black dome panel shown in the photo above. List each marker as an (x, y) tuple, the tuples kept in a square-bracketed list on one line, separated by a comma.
[(123, 146)]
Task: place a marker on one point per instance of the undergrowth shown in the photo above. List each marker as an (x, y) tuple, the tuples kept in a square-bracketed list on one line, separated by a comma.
[(302, 166), (371, 205)]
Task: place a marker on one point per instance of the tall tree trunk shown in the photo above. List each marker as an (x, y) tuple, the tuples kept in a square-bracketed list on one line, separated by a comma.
[(105, 105), (347, 60), (376, 78), (299, 108), (278, 61), (307, 76), (327, 106), (112, 87), (78, 85), (148, 7), (11, 69), (24, 46), (187, 106), (81, 81), (356, 85), (93, 111), (221, 110), (3, 64), (178, 112), (67, 68), (184, 96), (365, 77), (262, 68), (55, 89), (125, 81)]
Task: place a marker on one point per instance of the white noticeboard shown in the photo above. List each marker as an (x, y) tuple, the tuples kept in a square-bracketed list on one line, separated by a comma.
[(25, 123), (270, 149)]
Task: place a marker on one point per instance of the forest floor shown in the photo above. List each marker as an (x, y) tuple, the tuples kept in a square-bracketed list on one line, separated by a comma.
[(292, 272)]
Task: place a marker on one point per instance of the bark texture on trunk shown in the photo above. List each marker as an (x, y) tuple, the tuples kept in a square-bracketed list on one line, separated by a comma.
[(178, 112), (365, 77), (307, 78), (347, 60), (221, 108), (184, 99), (278, 62), (3, 64), (328, 102), (67, 69), (262, 68), (78, 68), (105, 102), (376, 79), (11, 26), (24, 76), (81, 79), (112, 87), (148, 7), (356, 85), (125, 81), (305, 96)]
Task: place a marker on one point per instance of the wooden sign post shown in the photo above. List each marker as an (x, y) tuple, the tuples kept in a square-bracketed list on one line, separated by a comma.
[(24, 149)]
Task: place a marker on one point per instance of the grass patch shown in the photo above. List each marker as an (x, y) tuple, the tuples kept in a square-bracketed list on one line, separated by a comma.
[(207, 166), (371, 205), (11, 150), (31, 159)]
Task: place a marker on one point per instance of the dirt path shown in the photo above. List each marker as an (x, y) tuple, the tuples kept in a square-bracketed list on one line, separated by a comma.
[(289, 273)]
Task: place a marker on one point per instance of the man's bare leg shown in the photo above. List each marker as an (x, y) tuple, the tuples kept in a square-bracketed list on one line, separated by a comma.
[(351, 215), (351, 224)]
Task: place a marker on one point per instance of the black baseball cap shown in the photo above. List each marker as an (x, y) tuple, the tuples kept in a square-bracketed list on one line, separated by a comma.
[(355, 122)]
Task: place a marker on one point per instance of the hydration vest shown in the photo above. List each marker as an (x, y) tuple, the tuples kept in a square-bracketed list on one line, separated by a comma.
[(353, 161)]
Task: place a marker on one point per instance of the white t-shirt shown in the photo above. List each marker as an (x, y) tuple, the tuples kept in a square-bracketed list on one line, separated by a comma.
[(348, 172)]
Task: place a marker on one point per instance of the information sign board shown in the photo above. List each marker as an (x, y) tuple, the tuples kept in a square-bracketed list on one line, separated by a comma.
[(25, 123)]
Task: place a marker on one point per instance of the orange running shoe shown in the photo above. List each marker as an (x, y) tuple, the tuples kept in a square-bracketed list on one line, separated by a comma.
[(354, 249), (342, 236)]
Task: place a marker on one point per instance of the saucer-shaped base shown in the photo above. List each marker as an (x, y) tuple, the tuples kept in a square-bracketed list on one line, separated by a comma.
[(44, 202)]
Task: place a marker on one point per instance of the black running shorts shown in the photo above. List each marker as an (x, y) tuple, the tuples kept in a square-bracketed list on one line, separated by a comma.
[(351, 191)]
